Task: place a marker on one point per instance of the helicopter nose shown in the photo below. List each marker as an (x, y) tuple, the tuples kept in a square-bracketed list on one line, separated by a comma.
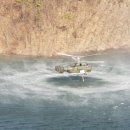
[(59, 69), (56, 68)]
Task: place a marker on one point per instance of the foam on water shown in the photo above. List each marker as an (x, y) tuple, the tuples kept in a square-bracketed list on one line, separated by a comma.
[(23, 79)]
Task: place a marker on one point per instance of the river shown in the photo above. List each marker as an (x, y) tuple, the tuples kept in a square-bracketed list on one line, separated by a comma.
[(35, 97)]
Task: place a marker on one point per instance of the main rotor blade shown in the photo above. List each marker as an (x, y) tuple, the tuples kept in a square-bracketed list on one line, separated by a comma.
[(92, 55), (77, 58), (94, 62), (63, 54)]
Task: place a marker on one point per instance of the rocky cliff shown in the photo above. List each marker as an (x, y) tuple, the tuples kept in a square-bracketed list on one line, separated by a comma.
[(45, 27)]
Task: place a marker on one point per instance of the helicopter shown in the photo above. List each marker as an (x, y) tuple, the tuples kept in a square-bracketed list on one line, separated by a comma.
[(79, 68)]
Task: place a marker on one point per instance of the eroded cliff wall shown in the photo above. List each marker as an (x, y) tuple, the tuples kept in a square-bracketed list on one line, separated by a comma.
[(45, 27)]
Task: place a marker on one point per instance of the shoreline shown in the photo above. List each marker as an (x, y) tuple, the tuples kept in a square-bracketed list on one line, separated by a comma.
[(73, 53)]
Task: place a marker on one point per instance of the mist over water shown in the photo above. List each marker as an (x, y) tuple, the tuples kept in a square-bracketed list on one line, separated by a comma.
[(34, 96)]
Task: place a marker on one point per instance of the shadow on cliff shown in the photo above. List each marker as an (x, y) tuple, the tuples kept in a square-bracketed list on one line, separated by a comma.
[(76, 81)]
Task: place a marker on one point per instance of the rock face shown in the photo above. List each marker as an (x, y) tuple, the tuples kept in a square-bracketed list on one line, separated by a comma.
[(45, 27)]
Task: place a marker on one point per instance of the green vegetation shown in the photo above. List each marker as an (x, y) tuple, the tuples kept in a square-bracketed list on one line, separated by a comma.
[(18, 1), (37, 3), (30, 1), (67, 16)]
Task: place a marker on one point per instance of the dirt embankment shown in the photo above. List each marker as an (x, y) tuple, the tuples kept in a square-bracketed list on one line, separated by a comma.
[(45, 27)]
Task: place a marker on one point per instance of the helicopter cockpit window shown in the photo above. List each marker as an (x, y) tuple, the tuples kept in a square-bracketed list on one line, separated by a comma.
[(84, 64), (73, 65), (78, 64)]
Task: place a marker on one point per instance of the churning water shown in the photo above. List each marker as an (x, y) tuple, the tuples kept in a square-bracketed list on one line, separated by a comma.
[(34, 97)]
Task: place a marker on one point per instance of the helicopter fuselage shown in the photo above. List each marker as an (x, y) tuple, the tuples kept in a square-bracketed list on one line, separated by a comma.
[(77, 68)]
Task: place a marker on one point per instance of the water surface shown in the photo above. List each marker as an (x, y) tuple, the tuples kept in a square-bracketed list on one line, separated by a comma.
[(34, 97)]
